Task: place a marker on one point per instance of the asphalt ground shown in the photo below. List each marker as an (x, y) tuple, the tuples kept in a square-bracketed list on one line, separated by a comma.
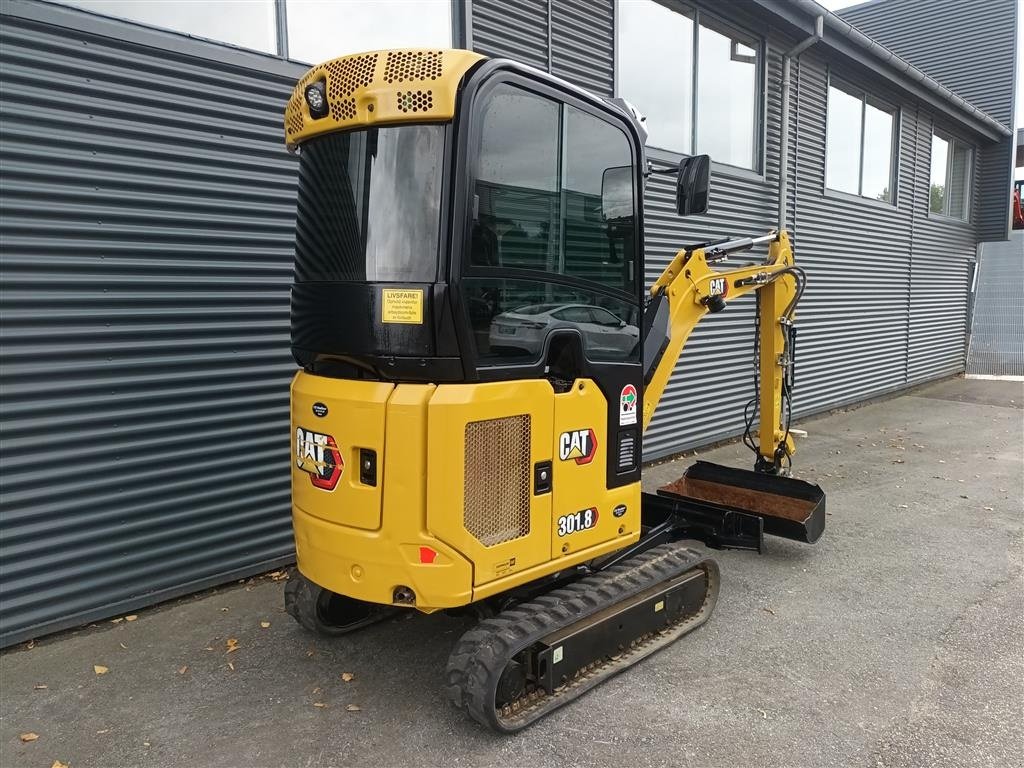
[(897, 640)]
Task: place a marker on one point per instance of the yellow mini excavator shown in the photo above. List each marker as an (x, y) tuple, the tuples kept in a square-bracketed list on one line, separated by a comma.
[(479, 360)]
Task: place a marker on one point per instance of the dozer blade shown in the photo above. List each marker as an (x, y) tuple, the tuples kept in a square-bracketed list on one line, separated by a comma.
[(514, 668), (793, 509)]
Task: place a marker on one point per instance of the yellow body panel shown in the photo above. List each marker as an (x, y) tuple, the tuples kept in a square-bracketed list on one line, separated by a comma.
[(580, 472), (323, 445), (380, 87), (423, 539), (453, 470)]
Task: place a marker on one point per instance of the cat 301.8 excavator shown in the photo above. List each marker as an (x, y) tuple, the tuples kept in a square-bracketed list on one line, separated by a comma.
[(479, 360)]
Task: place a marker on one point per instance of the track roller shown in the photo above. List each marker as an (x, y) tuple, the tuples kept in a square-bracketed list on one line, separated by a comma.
[(514, 668)]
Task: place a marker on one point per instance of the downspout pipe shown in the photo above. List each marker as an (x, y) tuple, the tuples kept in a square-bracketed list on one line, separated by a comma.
[(787, 57)]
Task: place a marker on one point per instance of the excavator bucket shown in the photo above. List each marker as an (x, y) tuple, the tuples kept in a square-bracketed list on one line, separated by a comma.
[(790, 508)]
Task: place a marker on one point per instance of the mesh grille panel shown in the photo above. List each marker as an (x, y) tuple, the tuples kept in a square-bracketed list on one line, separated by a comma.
[(412, 65), (497, 479), (345, 75), (415, 101)]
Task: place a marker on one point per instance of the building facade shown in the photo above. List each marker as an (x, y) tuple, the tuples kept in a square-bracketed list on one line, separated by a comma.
[(147, 223)]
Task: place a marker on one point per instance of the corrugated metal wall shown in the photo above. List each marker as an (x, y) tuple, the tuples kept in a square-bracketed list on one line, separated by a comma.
[(887, 298), (147, 209), (970, 47)]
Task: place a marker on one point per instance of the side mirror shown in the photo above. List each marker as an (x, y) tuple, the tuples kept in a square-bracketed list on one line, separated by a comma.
[(617, 193), (692, 184)]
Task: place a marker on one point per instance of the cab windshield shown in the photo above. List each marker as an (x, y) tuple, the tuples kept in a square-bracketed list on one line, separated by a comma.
[(369, 205)]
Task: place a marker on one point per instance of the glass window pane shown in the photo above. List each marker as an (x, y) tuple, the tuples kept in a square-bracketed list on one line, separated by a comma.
[(656, 70), (594, 248), (959, 180), (842, 162), (877, 178), (726, 98), (940, 158), (512, 318), (319, 31), (370, 205), (247, 23), (517, 184)]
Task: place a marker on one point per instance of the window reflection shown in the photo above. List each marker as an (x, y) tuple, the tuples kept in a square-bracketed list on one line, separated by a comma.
[(842, 169), (940, 159), (247, 23), (656, 70), (726, 98), (878, 131), (859, 137), (544, 173)]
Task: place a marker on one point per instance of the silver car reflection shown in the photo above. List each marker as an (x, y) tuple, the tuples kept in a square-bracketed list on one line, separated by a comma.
[(525, 328)]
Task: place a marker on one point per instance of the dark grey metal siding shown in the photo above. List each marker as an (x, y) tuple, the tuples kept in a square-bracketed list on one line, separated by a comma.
[(147, 208), (970, 47), (512, 29)]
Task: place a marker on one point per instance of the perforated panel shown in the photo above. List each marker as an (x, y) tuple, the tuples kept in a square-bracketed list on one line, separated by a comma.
[(413, 65), (497, 479), (415, 101)]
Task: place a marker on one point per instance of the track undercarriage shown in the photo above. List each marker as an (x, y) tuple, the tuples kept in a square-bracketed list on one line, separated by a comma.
[(547, 644)]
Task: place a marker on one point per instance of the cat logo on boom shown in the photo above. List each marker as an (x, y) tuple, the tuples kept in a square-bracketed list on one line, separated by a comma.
[(318, 455), (579, 445)]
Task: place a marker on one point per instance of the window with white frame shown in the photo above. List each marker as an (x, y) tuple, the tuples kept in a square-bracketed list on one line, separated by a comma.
[(695, 79), (951, 167), (318, 30), (860, 140)]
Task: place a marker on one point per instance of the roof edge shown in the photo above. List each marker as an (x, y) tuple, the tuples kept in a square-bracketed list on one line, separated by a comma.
[(903, 69)]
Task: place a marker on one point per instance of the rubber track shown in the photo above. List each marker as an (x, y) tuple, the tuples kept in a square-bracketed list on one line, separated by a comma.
[(480, 656)]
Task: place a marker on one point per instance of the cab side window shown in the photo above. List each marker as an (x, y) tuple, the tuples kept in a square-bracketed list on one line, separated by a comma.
[(544, 252)]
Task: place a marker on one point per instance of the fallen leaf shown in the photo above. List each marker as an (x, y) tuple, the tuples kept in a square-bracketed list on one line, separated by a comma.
[(319, 704), (224, 610), (99, 669), (232, 644), (898, 461), (347, 677), (208, 648), (990, 509), (310, 652), (133, 617), (30, 645), (768, 610), (26, 737), (903, 506), (317, 690), (183, 670), (41, 686), (145, 743), (265, 624), (117, 621), (123, 646), (963, 496), (231, 666), (105, 730), (59, 764), (353, 708)]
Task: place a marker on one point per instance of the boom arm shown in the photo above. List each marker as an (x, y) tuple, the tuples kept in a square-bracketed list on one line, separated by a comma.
[(689, 288)]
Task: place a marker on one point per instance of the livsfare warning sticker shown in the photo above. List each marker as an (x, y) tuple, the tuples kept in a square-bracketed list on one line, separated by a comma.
[(402, 305)]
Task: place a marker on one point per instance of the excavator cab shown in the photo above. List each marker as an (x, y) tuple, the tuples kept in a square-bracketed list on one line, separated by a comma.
[(479, 358)]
